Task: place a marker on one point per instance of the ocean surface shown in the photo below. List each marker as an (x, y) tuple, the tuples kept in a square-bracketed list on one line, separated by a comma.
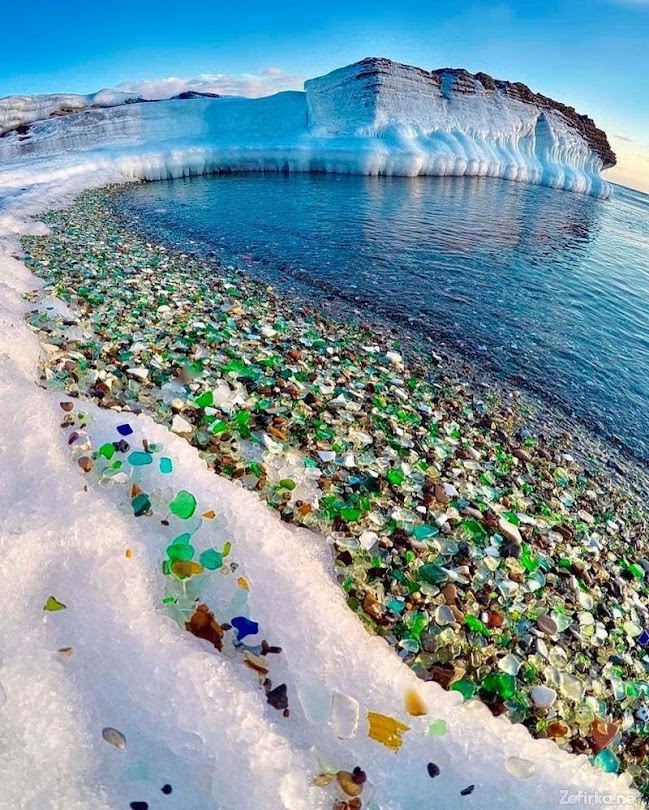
[(546, 288)]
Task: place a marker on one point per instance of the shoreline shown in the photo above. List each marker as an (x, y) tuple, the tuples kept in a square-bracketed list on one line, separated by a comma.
[(460, 489), (624, 462)]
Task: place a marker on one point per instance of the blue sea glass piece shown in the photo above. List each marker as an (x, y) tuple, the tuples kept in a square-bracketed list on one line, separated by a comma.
[(244, 627), (139, 459)]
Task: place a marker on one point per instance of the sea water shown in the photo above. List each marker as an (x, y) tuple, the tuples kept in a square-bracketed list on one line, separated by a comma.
[(549, 289)]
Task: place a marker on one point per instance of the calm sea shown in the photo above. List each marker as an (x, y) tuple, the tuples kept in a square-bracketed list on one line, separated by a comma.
[(547, 288)]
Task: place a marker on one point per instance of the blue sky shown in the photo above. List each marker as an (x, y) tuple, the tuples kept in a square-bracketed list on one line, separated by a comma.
[(593, 54)]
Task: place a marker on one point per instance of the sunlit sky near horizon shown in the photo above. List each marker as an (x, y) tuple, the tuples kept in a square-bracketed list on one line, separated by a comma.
[(591, 54)]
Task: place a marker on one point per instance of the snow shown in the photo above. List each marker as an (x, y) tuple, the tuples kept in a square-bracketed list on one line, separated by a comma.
[(404, 126), (19, 110), (192, 717)]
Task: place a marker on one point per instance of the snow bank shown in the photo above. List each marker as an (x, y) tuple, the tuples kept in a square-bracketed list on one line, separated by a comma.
[(405, 124)]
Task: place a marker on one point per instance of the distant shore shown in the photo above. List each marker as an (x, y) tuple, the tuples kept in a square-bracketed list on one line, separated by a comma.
[(496, 546)]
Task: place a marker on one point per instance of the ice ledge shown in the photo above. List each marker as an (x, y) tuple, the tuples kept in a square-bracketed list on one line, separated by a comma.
[(376, 117)]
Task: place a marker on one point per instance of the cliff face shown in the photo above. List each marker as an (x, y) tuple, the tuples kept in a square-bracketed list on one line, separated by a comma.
[(380, 77), (465, 82)]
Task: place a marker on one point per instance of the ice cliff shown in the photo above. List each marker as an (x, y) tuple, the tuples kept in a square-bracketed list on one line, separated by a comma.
[(373, 117)]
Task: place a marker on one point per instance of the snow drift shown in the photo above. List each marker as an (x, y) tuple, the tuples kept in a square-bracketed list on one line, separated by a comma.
[(374, 117)]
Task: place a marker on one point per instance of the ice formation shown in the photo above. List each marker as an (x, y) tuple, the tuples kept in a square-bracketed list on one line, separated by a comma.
[(374, 117), (191, 718)]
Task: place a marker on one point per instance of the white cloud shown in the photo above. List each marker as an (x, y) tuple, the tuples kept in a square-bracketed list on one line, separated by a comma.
[(269, 81)]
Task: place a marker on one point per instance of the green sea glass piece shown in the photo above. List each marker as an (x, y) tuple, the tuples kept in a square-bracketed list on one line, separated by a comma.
[(473, 530), (502, 683), (205, 400), (424, 532), (438, 728), (183, 505), (432, 574), (141, 504), (350, 513), (607, 761), (465, 687), (473, 623), (180, 551), (211, 559), (53, 605)]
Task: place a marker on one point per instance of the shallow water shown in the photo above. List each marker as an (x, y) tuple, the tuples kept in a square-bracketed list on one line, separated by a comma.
[(545, 287)]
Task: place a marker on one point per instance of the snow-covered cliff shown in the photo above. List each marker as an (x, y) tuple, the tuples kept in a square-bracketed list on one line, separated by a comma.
[(373, 117), (449, 122)]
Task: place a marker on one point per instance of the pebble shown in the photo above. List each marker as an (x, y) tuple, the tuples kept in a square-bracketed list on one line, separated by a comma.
[(278, 697), (543, 697), (140, 374), (547, 624), (433, 770), (114, 737), (449, 592), (180, 425), (509, 531), (347, 783), (520, 768)]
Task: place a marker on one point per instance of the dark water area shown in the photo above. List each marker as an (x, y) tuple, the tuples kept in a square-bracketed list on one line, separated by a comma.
[(548, 289)]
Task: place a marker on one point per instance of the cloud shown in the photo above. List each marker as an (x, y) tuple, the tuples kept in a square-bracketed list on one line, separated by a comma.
[(269, 81), (624, 138)]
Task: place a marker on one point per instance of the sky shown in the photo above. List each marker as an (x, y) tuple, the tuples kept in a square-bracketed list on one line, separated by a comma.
[(591, 54)]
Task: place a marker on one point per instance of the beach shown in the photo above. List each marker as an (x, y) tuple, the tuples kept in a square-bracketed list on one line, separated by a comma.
[(497, 549)]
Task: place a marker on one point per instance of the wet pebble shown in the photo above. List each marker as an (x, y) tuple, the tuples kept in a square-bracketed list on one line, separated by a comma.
[(114, 737)]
